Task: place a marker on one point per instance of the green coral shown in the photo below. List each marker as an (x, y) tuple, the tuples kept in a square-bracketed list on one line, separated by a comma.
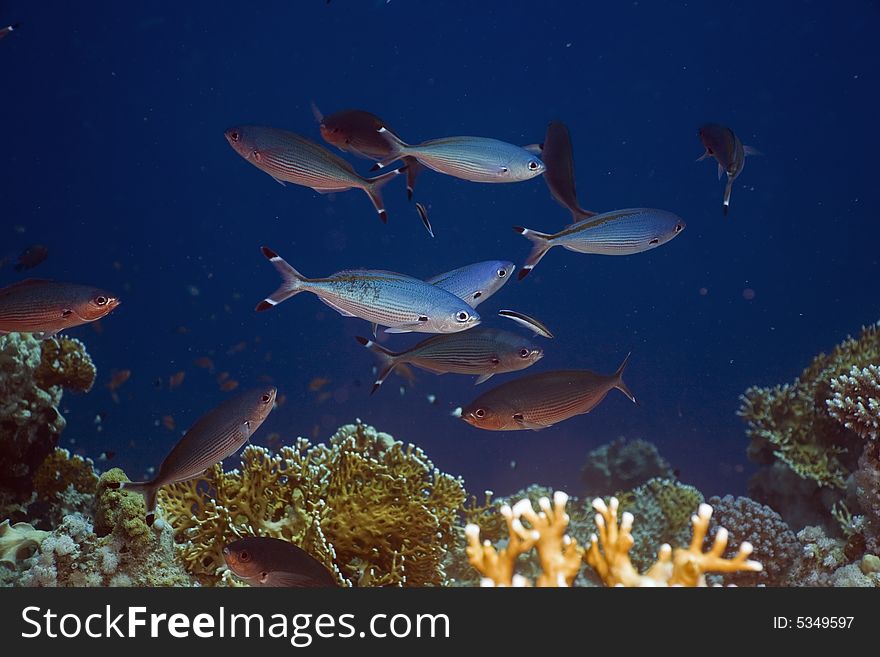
[(793, 423), (65, 362), (59, 471), (374, 510)]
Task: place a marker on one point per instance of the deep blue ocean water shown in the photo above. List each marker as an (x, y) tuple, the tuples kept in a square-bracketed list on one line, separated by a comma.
[(114, 157)]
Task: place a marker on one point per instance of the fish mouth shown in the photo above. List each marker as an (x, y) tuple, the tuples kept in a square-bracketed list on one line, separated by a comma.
[(537, 354)]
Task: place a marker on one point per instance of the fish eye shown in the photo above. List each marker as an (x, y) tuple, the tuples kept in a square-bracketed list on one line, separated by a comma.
[(66, 312), (502, 273), (533, 166), (244, 555), (234, 136), (463, 316), (265, 397), (504, 169), (524, 353), (480, 413), (678, 228), (256, 155), (101, 300)]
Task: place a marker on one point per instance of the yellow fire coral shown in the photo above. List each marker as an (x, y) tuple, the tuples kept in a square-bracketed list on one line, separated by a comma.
[(560, 555), (608, 553), (371, 509), (793, 420), (61, 470), (65, 362)]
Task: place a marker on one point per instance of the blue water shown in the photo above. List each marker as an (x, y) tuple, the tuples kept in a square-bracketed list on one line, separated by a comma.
[(114, 156)]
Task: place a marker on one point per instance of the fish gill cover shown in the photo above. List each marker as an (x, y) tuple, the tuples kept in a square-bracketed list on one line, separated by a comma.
[(123, 173)]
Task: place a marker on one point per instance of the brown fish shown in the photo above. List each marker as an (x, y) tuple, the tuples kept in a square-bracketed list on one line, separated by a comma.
[(168, 422), (211, 439), (117, 378), (727, 149), (556, 153), (541, 400), (289, 157), (9, 29), (176, 379), (357, 132), (229, 385), (47, 307), (205, 363), (31, 257), (264, 561)]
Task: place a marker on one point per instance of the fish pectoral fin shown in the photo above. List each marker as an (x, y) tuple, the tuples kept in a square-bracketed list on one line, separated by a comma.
[(520, 420), (483, 378), (341, 311), (409, 327), (375, 328)]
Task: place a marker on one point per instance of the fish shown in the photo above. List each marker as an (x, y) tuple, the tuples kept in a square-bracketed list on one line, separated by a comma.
[(205, 363), (529, 322), (216, 435), (482, 352), (538, 401), (265, 561), (357, 132), (168, 422), (477, 282), (289, 157), (620, 232), (229, 385), (318, 383), (9, 29), (45, 307), (31, 257), (117, 378), (402, 303), (477, 159), (176, 379), (423, 215), (722, 143), (556, 153)]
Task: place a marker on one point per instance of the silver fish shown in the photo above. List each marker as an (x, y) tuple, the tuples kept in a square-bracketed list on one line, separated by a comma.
[(211, 439), (477, 282), (402, 303), (482, 352), (620, 232), (478, 159), (289, 157)]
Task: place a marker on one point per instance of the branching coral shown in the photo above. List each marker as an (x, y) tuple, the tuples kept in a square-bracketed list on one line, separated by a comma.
[(855, 400), (608, 553), (371, 509), (65, 362), (17, 539), (621, 465), (560, 555), (793, 421)]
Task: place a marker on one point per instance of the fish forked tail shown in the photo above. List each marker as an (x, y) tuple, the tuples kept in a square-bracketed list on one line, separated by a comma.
[(148, 489), (619, 382), (542, 244), (387, 361), (728, 188), (316, 112), (292, 281), (413, 169), (396, 144), (373, 189)]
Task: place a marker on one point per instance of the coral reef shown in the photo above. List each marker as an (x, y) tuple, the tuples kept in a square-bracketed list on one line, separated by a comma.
[(60, 471), (29, 419), (823, 562), (621, 465), (373, 510), (559, 555), (17, 539), (867, 480), (747, 521), (663, 507), (65, 362), (608, 553), (855, 401)]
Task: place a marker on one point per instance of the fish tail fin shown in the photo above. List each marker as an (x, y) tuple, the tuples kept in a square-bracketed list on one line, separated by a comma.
[(619, 382), (373, 190), (387, 360), (316, 112), (728, 188), (148, 489), (397, 145), (293, 281), (413, 169), (704, 155), (542, 244)]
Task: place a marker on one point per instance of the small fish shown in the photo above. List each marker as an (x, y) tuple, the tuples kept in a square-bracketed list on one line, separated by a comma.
[(106, 456), (538, 401), (168, 422), (556, 153), (402, 303), (723, 144), (229, 385), (477, 159), (477, 282), (205, 363), (482, 352), (529, 322), (31, 257), (117, 378), (357, 132), (264, 561), (318, 383), (236, 348), (620, 232), (176, 379), (222, 377), (9, 29), (216, 435), (423, 215), (47, 307), (289, 157)]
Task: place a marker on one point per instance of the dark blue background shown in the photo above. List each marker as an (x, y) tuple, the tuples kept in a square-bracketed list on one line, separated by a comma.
[(113, 152)]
